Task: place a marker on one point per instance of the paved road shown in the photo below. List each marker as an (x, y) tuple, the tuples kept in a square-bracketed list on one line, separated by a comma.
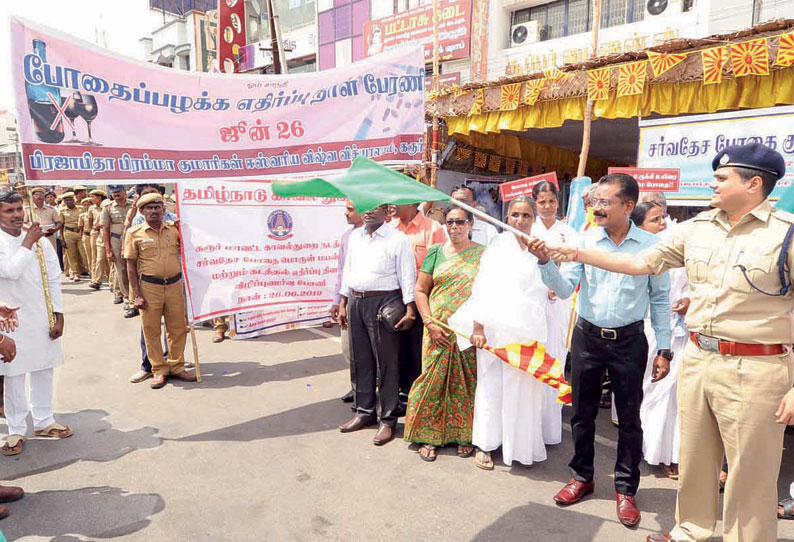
[(253, 454)]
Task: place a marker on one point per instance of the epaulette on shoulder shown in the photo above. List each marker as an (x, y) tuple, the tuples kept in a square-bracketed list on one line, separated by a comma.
[(705, 215), (785, 216)]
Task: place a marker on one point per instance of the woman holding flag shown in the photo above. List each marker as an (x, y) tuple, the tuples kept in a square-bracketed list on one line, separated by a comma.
[(507, 305)]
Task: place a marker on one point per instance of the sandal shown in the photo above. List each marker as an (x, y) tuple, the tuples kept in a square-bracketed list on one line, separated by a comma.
[(671, 471), (219, 337), (54, 431), (13, 445), (465, 450), (429, 449), (483, 460), (788, 509)]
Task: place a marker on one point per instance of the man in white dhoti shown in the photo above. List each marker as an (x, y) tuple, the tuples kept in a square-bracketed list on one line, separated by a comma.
[(8, 351), (38, 346)]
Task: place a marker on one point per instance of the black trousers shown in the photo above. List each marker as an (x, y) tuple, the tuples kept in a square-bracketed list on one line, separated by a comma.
[(410, 357), (625, 358), (374, 356)]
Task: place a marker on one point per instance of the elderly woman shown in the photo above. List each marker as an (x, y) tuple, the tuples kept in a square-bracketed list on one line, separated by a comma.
[(441, 402), (507, 305)]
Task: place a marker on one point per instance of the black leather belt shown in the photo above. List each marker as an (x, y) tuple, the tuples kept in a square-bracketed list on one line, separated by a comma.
[(75, 230), (87, 234), (115, 235), (371, 293), (162, 282), (611, 334), (49, 234)]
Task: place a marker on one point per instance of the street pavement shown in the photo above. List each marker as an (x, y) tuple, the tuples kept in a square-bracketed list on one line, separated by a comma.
[(253, 454)]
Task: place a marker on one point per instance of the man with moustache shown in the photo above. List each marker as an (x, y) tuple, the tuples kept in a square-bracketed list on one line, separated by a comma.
[(609, 335), (379, 272)]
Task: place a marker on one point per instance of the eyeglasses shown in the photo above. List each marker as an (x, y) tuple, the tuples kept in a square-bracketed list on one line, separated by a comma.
[(454, 222), (603, 203)]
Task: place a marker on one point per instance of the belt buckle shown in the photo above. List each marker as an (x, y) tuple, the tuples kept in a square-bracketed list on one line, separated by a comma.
[(712, 344), (609, 334)]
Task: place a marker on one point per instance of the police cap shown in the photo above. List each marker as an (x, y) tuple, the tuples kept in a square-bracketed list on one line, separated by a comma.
[(753, 156), (98, 192), (116, 188), (67, 195), (149, 198)]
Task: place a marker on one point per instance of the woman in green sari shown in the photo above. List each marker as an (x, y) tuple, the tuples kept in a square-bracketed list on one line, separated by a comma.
[(441, 402)]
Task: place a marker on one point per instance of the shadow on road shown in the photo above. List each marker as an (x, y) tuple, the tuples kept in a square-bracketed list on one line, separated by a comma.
[(96, 512), (536, 521), (94, 440), (230, 374), (312, 418)]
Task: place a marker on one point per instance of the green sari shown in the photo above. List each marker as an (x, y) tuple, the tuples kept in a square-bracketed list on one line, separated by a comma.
[(441, 402)]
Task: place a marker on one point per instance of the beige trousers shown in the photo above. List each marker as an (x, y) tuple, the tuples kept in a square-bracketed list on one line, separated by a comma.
[(121, 286), (101, 268), (728, 403), (72, 241), (168, 303)]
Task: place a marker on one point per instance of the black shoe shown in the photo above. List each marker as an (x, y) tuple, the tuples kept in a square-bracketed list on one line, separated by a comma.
[(118, 300), (348, 397), (93, 285), (131, 313), (399, 412)]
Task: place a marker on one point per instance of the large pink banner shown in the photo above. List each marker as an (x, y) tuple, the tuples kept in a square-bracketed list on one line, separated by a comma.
[(87, 115)]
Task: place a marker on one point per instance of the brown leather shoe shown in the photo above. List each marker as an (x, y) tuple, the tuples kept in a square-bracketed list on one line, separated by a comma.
[(574, 491), (158, 381), (11, 493), (355, 423), (4, 511), (385, 434), (628, 513), (184, 376), (659, 537)]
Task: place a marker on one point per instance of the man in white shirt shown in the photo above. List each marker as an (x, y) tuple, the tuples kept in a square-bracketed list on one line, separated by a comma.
[(481, 232), (379, 272)]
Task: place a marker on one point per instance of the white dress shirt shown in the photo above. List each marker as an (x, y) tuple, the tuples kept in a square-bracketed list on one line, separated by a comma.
[(382, 261)]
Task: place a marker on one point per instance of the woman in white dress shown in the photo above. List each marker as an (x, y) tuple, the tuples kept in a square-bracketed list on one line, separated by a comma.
[(558, 311), (659, 410), (507, 305)]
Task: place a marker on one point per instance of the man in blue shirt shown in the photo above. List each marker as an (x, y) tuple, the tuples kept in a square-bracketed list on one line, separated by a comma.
[(609, 335)]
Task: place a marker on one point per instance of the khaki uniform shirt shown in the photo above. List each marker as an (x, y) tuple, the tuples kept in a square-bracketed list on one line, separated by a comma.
[(46, 215), (83, 223), (114, 215), (157, 252), (71, 218), (96, 214), (722, 302)]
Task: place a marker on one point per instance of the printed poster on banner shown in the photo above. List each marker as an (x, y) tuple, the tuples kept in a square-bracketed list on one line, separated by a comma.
[(690, 143), (415, 26), (652, 179), (245, 250), (88, 115), (523, 187)]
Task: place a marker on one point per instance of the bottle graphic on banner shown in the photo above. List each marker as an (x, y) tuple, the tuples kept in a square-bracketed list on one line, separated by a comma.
[(43, 103)]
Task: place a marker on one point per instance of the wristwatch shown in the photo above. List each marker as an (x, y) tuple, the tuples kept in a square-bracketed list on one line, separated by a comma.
[(666, 354)]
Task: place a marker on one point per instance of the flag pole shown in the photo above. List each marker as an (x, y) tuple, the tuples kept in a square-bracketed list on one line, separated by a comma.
[(42, 266), (485, 217), (434, 166)]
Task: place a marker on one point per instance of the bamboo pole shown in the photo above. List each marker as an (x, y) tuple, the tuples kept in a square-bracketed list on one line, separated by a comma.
[(42, 266), (434, 166), (588, 113), (275, 26)]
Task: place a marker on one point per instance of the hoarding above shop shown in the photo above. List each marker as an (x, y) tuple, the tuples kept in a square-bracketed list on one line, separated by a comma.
[(415, 26), (691, 142), (652, 179)]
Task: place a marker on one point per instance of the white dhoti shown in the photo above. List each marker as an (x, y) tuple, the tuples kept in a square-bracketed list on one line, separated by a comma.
[(16, 401)]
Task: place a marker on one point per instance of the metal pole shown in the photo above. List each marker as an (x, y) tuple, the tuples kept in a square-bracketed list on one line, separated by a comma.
[(434, 165), (279, 59), (588, 114), (491, 220)]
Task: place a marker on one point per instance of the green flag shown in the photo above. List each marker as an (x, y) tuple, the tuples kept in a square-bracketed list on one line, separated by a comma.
[(367, 184)]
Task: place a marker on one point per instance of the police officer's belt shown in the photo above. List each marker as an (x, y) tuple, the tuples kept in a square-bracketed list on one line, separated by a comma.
[(115, 235), (611, 334), (162, 282), (728, 348), (75, 230), (87, 234)]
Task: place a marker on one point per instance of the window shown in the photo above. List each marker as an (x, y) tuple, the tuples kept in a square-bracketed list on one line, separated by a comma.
[(569, 17)]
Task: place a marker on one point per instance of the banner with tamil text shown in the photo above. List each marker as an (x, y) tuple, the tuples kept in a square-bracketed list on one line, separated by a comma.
[(245, 249), (690, 143), (87, 115)]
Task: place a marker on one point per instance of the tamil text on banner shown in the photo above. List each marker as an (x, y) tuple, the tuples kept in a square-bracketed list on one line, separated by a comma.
[(523, 187), (232, 31), (652, 179), (416, 26), (691, 142), (245, 249), (87, 115)]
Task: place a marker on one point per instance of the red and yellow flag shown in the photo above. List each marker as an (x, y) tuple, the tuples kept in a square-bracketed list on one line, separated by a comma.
[(598, 84), (511, 97), (533, 359), (494, 163), (510, 166), (554, 74), (631, 78), (714, 60), (532, 90), (522, 169), (480, 159), (750, 58), (662, 62), (479, 102), (785, 51)]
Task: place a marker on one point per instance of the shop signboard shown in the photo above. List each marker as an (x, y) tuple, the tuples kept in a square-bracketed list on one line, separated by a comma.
[(652, 179), (523, 187)]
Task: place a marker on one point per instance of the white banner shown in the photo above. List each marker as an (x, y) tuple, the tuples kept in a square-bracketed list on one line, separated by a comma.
[(247, 251)]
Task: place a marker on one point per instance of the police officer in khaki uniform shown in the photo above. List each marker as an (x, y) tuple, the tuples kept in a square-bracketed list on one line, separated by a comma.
[(46, 216), (70, 224), (80, 193), (155, 275), (735, 380), (99, 263), (85, 236), (112, 221)]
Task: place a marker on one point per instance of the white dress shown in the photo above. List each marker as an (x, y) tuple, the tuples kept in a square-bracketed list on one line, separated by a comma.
[(558, 316), (508, 299), (20, 285)]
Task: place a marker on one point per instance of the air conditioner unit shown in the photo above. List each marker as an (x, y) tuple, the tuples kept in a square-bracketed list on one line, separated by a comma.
[(662, 7), (524, 33)]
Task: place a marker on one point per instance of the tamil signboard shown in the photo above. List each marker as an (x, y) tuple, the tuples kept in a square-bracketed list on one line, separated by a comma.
[(652, 179), (232, 34), (415, 26), (523, 187), (444, 80), (690, 143)]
